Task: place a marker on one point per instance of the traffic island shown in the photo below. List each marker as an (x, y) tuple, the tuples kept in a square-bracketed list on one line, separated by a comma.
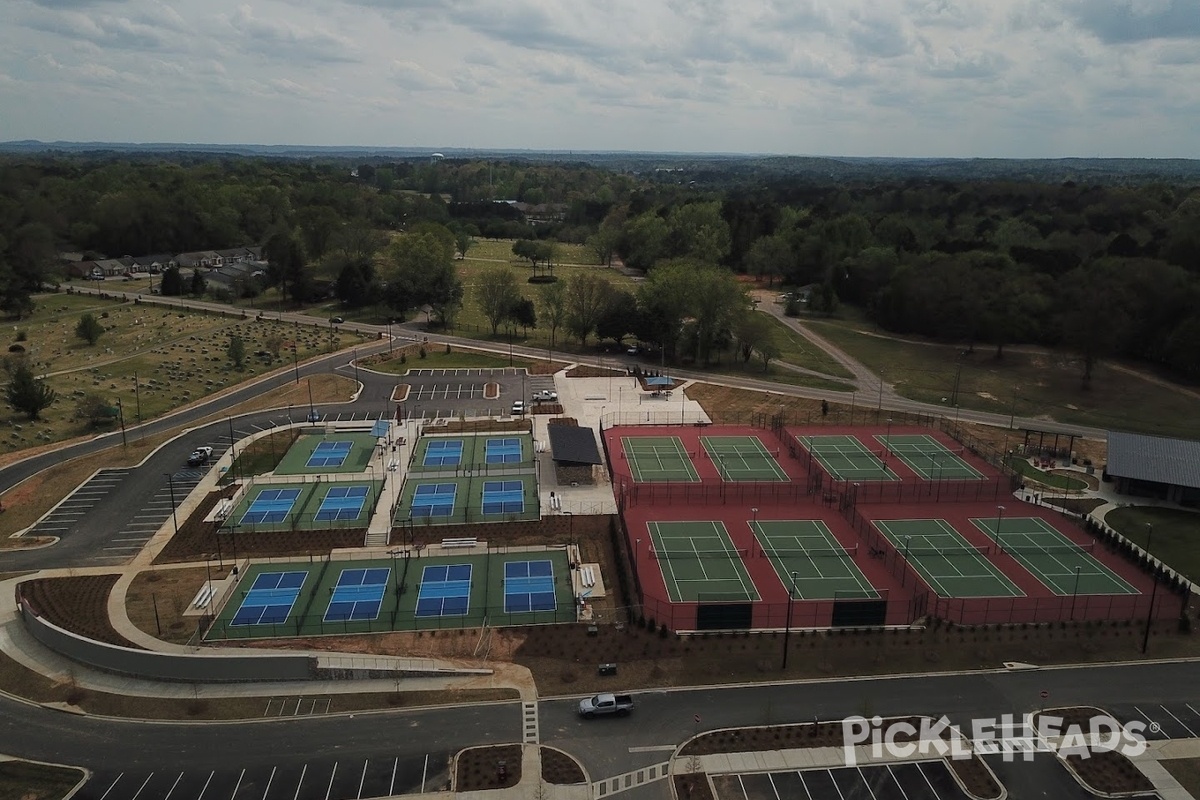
[(819, 745), (561, 769), (488, 767), (1101, 770)]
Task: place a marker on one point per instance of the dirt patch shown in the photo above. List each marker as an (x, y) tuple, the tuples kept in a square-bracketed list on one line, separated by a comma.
[(490, 767), (585, 371), (481, 426), (22, 780), (547, 409), (157, 599), (491, 391), (1109, 773), (78, 604), (560, 769)]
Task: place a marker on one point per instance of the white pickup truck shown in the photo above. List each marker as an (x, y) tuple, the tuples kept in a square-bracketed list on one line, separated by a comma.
[(606, 703)]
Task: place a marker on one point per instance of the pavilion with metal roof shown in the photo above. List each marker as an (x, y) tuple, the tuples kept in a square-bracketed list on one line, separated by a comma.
[(571, 445), (1154, 466)]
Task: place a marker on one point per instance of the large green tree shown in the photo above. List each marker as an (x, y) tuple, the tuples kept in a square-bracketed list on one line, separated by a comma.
[(587, 296), (28, 394), (553, 300), (496, 294)]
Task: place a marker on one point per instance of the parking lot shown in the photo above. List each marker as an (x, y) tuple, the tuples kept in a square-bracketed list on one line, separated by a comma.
[(322, 780), (451, 393), (1168, 721), (924, 780)]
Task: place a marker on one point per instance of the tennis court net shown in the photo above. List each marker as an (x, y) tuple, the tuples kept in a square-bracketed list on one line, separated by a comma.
[(683, 555), (928, 454), (1033, 550), (812, 552), (745, 455), (948, 552)]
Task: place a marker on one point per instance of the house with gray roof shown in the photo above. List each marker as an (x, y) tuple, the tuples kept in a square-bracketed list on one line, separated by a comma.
[(1154, 466)]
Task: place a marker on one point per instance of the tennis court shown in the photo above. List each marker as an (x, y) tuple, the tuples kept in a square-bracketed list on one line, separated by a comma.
[(743, 458), (658, 458), (340, 452), (806, 548), (445, 591), (270, 506), (929, 458), (270, 598), (845, 458), (699, 562), (1066, 568), (951, 565), (529, 586), (358, 595), (342, 504)]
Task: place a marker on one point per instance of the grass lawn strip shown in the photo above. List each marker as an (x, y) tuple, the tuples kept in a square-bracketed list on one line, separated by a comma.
[(28, 501), (1186, 771), (27, 780), (1174, 537)]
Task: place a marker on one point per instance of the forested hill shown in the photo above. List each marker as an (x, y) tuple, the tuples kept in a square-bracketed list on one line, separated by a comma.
[(816, 168)]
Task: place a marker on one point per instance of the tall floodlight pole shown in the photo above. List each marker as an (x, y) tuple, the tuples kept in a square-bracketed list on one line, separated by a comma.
[(787, 628)]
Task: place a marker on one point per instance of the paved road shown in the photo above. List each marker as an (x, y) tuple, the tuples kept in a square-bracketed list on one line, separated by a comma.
[(364, 744)]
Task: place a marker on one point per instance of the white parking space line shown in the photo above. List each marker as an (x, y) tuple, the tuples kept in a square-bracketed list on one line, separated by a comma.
[(392, 785), (1191, 732), (111, 785), (167, 796), (206, 783), (267, 790), (363, 778), (143, 786), (303, 772), (332, 775), (238, 785), (1152, 722), (129, 539)]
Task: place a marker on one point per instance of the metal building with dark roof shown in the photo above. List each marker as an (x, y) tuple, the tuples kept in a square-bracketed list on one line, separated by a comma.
[(1154, 466), (573, 445)]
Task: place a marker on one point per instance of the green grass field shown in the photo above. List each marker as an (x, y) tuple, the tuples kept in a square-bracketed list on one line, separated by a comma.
[(1066, 482), (1029, 384), (438, 358), (1174, 538)]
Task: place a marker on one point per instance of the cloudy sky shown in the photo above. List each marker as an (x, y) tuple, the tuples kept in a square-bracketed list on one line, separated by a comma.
[(1009, 78)]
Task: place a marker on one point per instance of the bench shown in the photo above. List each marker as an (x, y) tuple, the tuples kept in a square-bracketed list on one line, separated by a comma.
[(204, 596), (587, 576), (464, 542), (223, 508)]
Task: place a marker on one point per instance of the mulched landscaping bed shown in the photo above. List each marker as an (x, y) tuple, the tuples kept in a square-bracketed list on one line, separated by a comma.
[(693, 786), (1105, 771), (478, 768), (480, 426), (560, 769), (973, 773), (584, 371), (77, 604)]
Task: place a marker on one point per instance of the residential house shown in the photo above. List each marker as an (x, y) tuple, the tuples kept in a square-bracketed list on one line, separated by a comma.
[(203, 259), (109, 267), (154, 264)]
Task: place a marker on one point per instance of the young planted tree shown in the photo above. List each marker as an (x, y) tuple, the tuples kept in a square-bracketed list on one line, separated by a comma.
[(89, 329), (237, 352), (199, 285), (28, 394)]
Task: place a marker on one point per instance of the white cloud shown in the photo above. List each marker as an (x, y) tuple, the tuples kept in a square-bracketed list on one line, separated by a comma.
[(871, 77)]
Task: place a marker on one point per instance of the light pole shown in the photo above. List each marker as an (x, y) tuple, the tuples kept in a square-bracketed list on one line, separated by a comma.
[(999, 522), (1075, 592), (787, 628), (904, 555), (121, 415), (887, 449), (1153, 592)]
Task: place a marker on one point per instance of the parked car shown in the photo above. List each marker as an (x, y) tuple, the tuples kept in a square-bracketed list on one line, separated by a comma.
[(633, 351), (336, 320), (518, 408), (545, 396), (199, 456), (606, 703), (314, 416)]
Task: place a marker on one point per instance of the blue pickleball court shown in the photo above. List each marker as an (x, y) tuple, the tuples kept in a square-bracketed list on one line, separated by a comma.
[(443, 453), (270, 598), (358, 595), (271, 505), (329, 454), (342, 503), (503, 497), (502, 451), (529, 586), (434, 499), (445, 591)]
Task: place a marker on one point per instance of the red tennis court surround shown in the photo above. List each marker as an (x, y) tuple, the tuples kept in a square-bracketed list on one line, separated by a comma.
[(892, 475)]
